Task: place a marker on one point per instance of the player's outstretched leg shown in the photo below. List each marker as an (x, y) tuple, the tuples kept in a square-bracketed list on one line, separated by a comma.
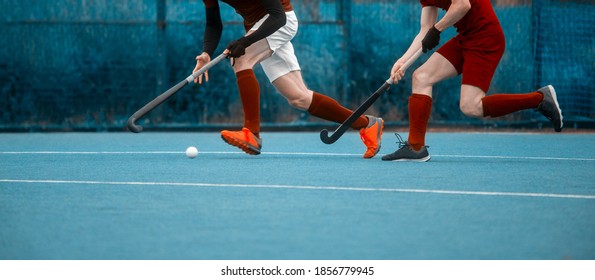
[(371, 135), (244, 139), (550, 108), (407, 153)]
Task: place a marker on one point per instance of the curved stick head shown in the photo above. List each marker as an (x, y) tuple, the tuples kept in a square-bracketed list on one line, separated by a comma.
[(133, 126), (325, 138)]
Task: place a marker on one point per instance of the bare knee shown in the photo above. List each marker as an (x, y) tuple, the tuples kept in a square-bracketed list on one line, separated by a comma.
[(472, 109), (300, 99), (471, 103), (292, 87), (421, 78)]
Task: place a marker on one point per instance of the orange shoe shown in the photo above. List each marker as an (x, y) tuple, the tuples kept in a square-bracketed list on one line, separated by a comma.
[(245, 140), (372, 136)]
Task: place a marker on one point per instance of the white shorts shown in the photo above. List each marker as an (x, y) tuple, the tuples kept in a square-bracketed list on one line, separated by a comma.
[(283, 59)]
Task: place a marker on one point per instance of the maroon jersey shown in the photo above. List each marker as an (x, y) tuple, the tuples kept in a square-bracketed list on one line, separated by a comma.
[(481, 18), (251, 10)]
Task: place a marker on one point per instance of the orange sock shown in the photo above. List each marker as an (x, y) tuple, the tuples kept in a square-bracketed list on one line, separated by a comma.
[(329, 109), (420, 107), (497, 105), (250, 95)]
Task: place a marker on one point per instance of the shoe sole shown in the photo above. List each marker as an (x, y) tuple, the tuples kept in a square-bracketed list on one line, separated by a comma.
[(553, 93), (423, 159), (242, 145)]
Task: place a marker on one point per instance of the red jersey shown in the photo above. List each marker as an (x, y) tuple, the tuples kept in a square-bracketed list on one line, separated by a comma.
[(481, 18), (250, 10)]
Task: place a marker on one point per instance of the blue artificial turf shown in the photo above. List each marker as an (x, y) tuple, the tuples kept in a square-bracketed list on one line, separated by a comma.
[(137, 196)]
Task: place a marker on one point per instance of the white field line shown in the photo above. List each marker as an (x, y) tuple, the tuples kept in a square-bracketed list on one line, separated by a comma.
[(324, 188), (276, 153)]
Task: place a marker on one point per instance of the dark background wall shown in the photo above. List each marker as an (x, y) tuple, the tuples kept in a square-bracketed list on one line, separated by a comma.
[(90, 64)]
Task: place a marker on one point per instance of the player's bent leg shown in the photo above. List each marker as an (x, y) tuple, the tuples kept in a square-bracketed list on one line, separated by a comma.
[(434, 70), (247, 139)]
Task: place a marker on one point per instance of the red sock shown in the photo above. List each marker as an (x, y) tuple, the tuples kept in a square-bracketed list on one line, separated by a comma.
[(329, 109), (420, 107), (497, 105), (250, 95)]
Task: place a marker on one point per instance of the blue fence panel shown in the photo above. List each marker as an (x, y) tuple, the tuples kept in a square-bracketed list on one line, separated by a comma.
[(565, 53), (76, 64)]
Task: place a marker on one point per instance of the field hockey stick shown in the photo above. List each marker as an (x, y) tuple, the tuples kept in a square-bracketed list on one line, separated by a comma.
[(324, 134), (167, 94)]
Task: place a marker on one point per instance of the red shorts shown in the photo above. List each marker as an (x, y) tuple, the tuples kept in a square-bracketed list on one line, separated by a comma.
[(475, 57)]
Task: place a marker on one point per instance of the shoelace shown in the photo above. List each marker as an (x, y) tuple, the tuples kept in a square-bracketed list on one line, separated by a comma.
[(403, 143), (400, 141)]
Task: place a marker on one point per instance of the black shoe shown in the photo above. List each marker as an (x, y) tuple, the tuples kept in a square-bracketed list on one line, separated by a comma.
[(407, 153), (550, 108)]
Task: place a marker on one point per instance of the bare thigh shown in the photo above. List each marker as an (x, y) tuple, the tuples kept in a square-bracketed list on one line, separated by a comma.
[(436, 69), (255, 53)]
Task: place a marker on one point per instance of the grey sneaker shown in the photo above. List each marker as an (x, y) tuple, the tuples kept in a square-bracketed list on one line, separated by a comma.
[(550, 108), (406, 152)]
